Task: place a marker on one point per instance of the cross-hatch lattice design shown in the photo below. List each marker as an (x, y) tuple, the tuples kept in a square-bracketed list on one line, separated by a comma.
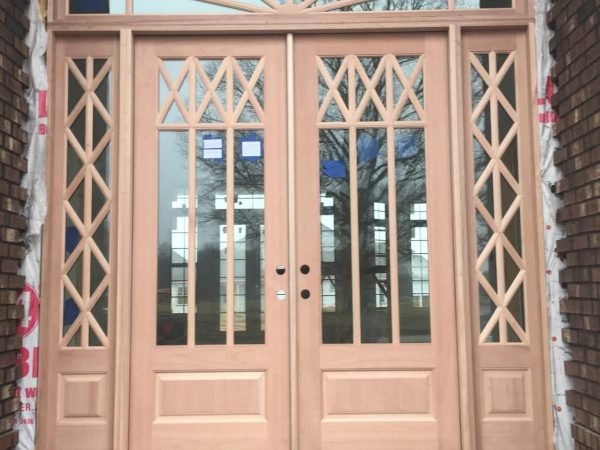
[(224, 92), (371, 91), (498, 184), (87, 201)]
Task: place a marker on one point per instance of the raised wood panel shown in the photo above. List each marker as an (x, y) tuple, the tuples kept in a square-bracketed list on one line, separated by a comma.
[(413, 434), (83, 397), (508, 434), (507, 393), (211, 394), (379, 393)]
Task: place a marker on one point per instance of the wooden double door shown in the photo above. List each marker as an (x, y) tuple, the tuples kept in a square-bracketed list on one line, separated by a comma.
[(293, 282)]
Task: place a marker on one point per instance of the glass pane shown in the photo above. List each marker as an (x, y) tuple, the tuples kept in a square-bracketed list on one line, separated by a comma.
[(102, 164), (248, 112), (78, 128), (373, 234), (74, 164), (487, 307), (336, 248), (477, 4), (186, 7), (211, 238), (77, 200), (75, 91), (249, 246), (100, 313), (89, 6), (412, 231), (98, 200), (76, 339), (211, 68), (333, 112), (173, 249), (408, 65), (391, 5), (100, 128), (370, 65), (70, 311), (102, 237), (72, 238)]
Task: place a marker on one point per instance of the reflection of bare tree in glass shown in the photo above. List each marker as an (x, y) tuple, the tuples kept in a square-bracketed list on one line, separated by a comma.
[(372, 191), (391, 5)]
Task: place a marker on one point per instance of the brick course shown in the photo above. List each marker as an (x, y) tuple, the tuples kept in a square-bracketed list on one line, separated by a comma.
[(577, 72), (13, 114)]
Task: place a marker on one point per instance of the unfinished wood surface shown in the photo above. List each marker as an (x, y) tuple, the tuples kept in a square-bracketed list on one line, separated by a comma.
[(74, 344), (124, 238), (167, 374), (312, 8), (459, 189), (511, 337), (361, 427)]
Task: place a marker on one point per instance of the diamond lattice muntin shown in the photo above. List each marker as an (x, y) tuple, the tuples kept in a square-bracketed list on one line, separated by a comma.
[(497, 196), (87, 203)]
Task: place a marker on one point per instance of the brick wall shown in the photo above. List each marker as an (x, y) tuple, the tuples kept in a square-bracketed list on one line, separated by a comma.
[(576, 47), (13, 114)]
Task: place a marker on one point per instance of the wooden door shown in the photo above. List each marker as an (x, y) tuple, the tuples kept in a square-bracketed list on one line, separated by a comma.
[(376, 330), (210, 367)]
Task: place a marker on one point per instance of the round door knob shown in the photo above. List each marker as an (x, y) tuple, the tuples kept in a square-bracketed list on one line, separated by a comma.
[(305, 269), (280, 270), (305, 294)]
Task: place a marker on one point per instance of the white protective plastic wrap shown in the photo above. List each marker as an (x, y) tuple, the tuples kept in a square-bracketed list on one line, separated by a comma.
[(559, 352), (35, 211)]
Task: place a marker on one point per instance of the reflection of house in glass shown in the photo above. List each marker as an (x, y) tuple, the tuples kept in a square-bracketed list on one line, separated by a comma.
[(416, 272), (243, 237)]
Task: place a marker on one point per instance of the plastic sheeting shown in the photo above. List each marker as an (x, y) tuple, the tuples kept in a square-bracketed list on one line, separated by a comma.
[(559, 352), (35, 211)]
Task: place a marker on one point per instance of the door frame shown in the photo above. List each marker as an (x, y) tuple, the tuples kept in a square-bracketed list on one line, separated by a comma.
[(125, 30)]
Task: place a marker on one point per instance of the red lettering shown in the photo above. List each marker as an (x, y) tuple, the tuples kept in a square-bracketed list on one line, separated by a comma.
[(31, 392), (27, 364), (23, 361)]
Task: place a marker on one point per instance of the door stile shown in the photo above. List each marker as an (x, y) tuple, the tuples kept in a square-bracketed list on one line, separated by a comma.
[(124, 244), (291, 238), (461, 257), (308, 316), (443, 321)]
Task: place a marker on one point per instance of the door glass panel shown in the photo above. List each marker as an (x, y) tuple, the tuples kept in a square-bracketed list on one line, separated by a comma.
[(215, 100), (360, 285), (412, 232), (173, 241), (248, 238), (336, 244), (211, 239), (374, 236)]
